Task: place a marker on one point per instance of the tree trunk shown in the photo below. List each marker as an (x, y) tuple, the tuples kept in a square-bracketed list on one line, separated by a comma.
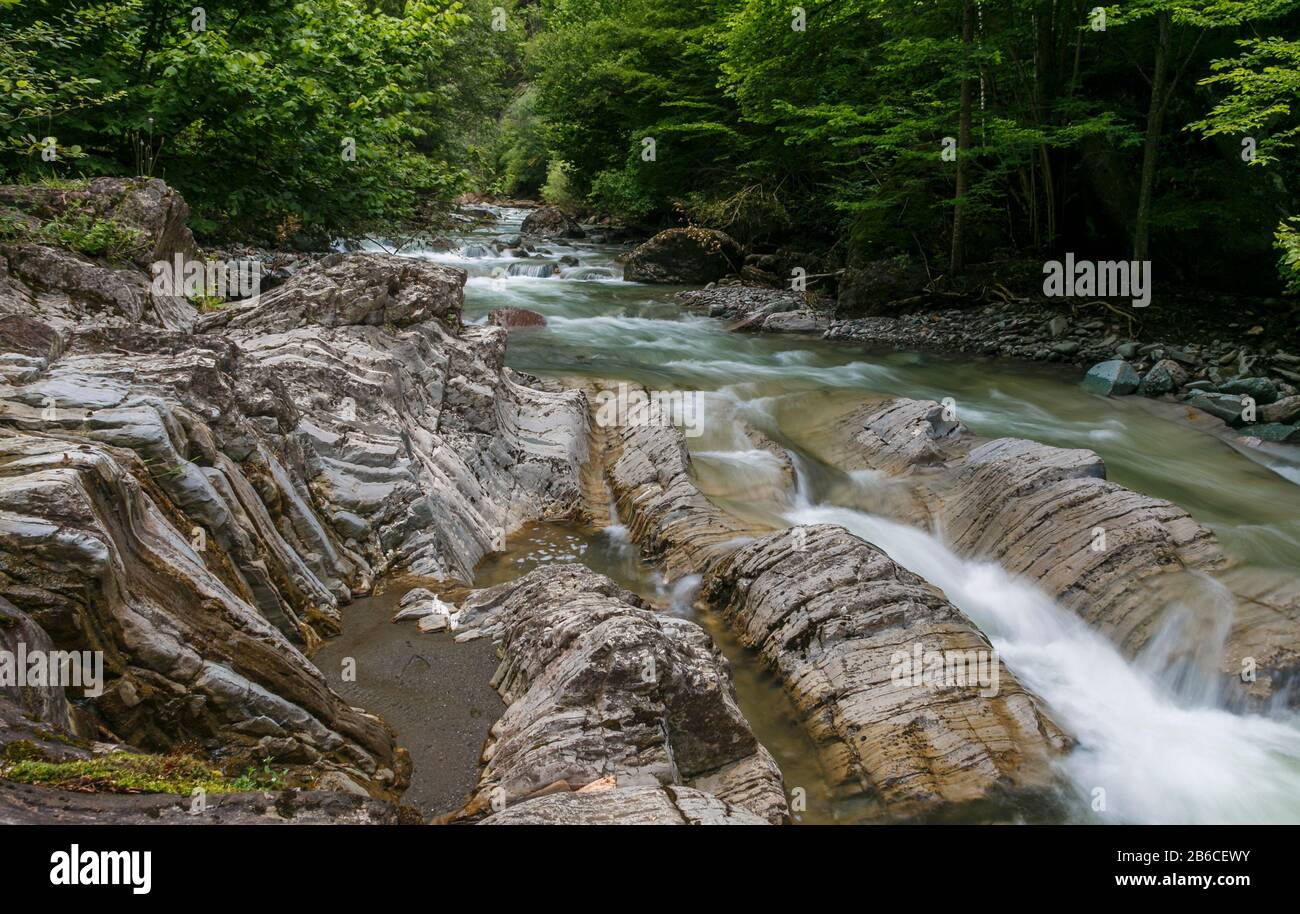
[(1151, 147), (958, 263)]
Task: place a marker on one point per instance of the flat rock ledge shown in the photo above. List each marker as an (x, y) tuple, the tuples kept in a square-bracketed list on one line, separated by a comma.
[(1116, 558), (833, 617), (614, 712)]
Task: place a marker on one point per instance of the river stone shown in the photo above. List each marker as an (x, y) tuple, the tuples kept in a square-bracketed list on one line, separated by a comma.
[(1285, 411), (597, 686), (515, 318), (1037, 510), (1227, 407), (684, 256), (802, 321), (551, 222), (1164, 377), (1114, 378), (831, 615), (1262, 390), (1277, 432)]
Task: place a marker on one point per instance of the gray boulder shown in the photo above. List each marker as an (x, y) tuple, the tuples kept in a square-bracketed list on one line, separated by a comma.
[(1115, 378), (684, 256)]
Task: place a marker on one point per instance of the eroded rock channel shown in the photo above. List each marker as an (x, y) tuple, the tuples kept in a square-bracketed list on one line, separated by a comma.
[(606, 620)]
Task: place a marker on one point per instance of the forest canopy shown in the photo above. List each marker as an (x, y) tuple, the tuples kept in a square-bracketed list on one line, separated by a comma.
[(959, 130)]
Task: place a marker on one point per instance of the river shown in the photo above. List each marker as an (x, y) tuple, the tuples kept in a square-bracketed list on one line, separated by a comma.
[(1158, 750)]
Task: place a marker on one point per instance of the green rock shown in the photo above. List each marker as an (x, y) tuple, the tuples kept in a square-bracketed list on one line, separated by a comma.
[(1223, 406), (1276, 431), (1114, 378), (1261, 389)]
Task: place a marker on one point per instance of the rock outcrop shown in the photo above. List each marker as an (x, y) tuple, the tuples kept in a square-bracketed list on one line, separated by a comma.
[(684, 256), (198, 505), (838, 622), (603, 692), (1121, 560)]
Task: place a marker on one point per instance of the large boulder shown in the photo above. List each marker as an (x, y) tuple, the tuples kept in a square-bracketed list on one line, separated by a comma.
[(603, 691), (874, 288), (551, 222), (834, 617), (684, 256)]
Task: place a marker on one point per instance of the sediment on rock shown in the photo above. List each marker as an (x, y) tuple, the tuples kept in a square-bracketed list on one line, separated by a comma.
[(834, 618), (1128, 564), (603, 692)]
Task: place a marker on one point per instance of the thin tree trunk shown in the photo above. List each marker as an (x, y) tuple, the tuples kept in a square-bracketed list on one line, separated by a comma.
[(958, 263), (1151, 147)]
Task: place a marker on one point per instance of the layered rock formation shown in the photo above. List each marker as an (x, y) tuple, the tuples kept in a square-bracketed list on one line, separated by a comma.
[(196, 497), (1123, 561), (607, 695), (841, 624)]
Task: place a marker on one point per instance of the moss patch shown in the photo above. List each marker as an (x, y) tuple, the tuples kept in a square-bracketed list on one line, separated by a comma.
[(120, 772)]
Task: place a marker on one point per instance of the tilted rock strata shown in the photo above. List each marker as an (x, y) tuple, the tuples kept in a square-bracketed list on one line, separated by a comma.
[(1115, 557), (598, 687), (199, 505), (831, 615)]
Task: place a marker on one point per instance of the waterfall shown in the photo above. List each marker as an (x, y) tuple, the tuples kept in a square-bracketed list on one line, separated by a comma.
[(1150, 747)]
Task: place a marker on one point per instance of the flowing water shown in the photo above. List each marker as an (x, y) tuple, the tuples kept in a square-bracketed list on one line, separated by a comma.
[(1151, 737)]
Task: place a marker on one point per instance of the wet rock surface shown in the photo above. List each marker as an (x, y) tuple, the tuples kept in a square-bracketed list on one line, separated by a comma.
[(603, 692), (199, 505), (834, 617), (1115, 557), (685, 256)]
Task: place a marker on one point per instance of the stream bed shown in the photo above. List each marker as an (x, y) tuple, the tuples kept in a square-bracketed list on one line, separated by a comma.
[(1162, 753)]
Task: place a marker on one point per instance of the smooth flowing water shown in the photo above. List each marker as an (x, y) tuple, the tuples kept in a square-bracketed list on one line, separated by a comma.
[(1160, 751)]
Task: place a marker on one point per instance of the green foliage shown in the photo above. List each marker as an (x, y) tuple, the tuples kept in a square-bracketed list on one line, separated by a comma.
[(558, 189), (252, 116), (1287, 241), (82, 232), (121, 772)]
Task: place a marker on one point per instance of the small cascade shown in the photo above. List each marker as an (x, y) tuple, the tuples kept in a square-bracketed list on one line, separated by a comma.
[(532, 269)]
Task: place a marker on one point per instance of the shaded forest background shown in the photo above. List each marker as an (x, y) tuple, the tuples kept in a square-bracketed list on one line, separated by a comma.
[(953, 130)]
